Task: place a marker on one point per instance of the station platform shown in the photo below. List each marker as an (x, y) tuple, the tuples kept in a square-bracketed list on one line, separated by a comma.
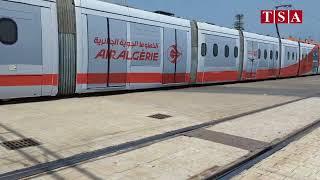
[(167, 134)]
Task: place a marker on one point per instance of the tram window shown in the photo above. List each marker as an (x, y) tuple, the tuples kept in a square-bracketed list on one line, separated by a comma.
[(203, 49), (215, 50), (271, 54), (277, 55), (265, 54), (8, 31), (226, 51), (259, 53), (293, 56), (236, 51)]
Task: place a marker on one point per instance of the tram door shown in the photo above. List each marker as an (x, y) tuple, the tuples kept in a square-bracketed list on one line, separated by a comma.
[(21, 65), (315, 61), (117, 72), (175, 56), (104, 68), (252, 60), (274, 59)]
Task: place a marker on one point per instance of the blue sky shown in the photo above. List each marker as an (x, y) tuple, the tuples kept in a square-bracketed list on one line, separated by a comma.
[(222, 12)]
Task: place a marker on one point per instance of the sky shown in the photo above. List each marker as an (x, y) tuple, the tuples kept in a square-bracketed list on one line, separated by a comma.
[(222, 13)]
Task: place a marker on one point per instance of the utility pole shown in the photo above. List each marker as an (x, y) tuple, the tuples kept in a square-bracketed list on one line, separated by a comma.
[(277, 7), (239, 23), (279, 37)]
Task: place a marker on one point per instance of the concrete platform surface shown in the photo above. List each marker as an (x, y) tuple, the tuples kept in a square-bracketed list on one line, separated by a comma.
[(299, 160), (72, 126), (186, 156)]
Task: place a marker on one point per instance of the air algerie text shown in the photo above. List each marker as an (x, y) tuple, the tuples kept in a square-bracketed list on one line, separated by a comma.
[(127, 55), (139, 51)]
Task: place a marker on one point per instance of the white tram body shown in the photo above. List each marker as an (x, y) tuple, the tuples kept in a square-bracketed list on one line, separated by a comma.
[(28, 61), (64, 47), (138, 52)]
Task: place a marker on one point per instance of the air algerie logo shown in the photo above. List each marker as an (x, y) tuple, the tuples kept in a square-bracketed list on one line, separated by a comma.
[(174, 54)]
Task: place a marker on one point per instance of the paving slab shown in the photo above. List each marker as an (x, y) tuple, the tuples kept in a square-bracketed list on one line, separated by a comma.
[(274, 123), (178, 158), (299, 160), (67, 127)]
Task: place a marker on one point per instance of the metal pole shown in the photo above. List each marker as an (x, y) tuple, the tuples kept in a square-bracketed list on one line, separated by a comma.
[(277, 28), (279, 37), (280, 48)]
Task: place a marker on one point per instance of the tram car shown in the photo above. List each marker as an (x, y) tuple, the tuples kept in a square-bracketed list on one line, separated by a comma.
[(65, 47)]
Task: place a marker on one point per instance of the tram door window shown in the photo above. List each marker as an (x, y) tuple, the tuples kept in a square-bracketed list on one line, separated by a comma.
[(106, 66)]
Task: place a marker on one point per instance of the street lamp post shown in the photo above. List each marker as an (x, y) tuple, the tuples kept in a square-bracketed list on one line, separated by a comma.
[(277, 7), (279, 36)]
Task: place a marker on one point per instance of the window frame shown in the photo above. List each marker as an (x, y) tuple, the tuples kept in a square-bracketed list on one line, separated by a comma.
[(236, 52), (215, 47), (15, 31), (293, 56), (226, 51), (204, 49), (265, 54)]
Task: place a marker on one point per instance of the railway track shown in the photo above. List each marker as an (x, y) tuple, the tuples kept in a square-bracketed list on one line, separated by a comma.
[(249, 161), (133, 145)]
